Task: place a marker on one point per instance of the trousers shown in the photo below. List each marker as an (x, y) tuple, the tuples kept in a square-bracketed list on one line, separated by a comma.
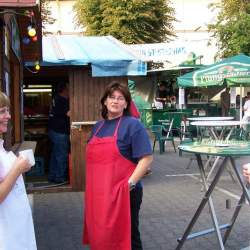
[(135, 205), (58, 165)]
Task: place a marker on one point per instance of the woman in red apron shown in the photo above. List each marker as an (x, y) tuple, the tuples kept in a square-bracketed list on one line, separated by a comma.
[(118, 155)]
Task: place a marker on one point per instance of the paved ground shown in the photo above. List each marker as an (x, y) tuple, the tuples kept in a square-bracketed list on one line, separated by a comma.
[(171, 196)]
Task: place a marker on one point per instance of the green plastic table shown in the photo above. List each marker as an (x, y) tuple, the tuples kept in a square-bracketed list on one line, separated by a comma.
[(228, 150)]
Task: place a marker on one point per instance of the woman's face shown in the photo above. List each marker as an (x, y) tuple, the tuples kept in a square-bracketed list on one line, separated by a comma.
[(4, 118), (115, 103)]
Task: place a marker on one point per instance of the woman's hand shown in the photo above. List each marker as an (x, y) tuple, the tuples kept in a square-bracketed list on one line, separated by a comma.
[(141, 168), (22, 164)]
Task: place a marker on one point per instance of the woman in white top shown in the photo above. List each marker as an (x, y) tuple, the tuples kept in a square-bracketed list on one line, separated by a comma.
[(16, 223)]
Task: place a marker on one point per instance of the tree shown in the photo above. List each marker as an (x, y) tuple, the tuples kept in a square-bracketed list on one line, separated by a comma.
[(131, 21), (232, 26), (46, 14)]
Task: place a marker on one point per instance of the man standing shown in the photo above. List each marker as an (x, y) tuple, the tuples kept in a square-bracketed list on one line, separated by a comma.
[(225, 102), (59, 129)]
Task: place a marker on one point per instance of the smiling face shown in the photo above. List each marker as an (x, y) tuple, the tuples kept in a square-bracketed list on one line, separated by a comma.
[(115, 103), (4, 118)]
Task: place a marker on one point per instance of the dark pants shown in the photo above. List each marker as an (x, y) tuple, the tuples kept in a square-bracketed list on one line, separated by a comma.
[(58, 165), (135, 204)]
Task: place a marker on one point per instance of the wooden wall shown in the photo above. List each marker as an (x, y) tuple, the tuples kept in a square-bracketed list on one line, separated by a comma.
[(1, 53), (85, 95), (10, 66)]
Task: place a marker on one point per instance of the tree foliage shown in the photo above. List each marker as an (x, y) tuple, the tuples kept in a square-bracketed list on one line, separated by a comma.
[(131, 21), (232, 26), (46, 14)]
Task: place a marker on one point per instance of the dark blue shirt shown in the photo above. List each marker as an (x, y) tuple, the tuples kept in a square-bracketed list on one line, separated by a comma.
[(133, 141), (58, 119)]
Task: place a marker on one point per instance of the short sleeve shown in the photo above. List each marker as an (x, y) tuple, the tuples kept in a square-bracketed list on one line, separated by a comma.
[(141, 144)]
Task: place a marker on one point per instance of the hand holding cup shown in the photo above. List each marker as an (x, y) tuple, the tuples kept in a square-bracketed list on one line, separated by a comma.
[(22, 164), (28, 155)]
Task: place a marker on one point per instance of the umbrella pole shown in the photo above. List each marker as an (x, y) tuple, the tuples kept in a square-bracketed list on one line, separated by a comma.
[(240, 102)]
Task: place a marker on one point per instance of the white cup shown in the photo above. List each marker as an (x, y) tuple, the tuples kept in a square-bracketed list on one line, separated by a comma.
[(29, 155)]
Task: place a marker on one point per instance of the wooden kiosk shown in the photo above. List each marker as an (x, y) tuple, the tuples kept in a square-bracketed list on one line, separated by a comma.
[(15, 17), (102, 60)]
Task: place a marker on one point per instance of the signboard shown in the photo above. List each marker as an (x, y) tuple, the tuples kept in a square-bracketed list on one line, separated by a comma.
[(176, 52)]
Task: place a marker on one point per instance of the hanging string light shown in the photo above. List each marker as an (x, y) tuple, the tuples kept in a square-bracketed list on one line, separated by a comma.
[(31, 31), (34, 38), (37, 66), (26, 40)]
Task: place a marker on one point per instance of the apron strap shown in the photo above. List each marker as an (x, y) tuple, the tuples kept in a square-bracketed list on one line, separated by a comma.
[(117, 126), (98, 129)]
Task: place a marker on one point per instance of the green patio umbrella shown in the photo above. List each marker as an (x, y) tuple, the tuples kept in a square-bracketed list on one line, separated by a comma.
[(233, 71)]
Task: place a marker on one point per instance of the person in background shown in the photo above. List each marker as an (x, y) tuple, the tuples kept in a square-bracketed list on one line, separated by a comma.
[(246, 171), (118, 155), (161, 93), (16, 223), (237, 101), (59, 129), (246, 108), (225, 102)]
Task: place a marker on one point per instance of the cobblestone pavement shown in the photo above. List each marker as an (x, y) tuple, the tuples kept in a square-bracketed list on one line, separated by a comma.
[(171, 195)]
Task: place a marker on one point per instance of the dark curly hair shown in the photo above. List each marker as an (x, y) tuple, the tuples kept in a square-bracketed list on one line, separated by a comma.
[(113, 86)]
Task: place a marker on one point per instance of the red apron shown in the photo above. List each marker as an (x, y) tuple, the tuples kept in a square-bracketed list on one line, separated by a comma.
[(107, 222)]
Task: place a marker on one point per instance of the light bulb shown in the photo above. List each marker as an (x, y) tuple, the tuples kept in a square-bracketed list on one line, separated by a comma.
[(37, 67), (26, 40), (31, 31), (34, 38)]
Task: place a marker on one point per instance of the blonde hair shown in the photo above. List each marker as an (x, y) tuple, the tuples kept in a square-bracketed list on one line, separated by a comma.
[(4, 100)]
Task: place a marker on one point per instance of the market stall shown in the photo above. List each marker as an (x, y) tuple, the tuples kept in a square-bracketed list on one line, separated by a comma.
[(88, 64)]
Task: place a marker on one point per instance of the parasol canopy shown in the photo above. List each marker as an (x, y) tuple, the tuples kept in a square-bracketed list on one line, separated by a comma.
[(232, 71)]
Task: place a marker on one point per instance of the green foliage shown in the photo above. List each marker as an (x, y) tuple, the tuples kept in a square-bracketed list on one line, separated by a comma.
[(232, 26), (131, 21), (46, 14)]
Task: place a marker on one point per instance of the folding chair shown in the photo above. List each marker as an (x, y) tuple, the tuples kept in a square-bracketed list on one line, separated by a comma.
[(163, 133), (185, 134)]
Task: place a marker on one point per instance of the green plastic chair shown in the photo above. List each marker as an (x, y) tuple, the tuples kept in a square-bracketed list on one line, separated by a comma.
[(158, 131), (241, 134)]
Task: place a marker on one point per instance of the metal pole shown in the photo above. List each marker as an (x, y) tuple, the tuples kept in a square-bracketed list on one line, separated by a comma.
[(240, 102)]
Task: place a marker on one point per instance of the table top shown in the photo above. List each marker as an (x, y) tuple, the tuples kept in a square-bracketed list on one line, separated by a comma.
[(211, 118), (217, 147), (218, 123)]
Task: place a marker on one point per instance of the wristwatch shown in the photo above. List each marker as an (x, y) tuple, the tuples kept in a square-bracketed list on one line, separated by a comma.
[(131, 185)]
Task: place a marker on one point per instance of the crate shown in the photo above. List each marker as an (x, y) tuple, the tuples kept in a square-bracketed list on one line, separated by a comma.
[(38, 169)]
